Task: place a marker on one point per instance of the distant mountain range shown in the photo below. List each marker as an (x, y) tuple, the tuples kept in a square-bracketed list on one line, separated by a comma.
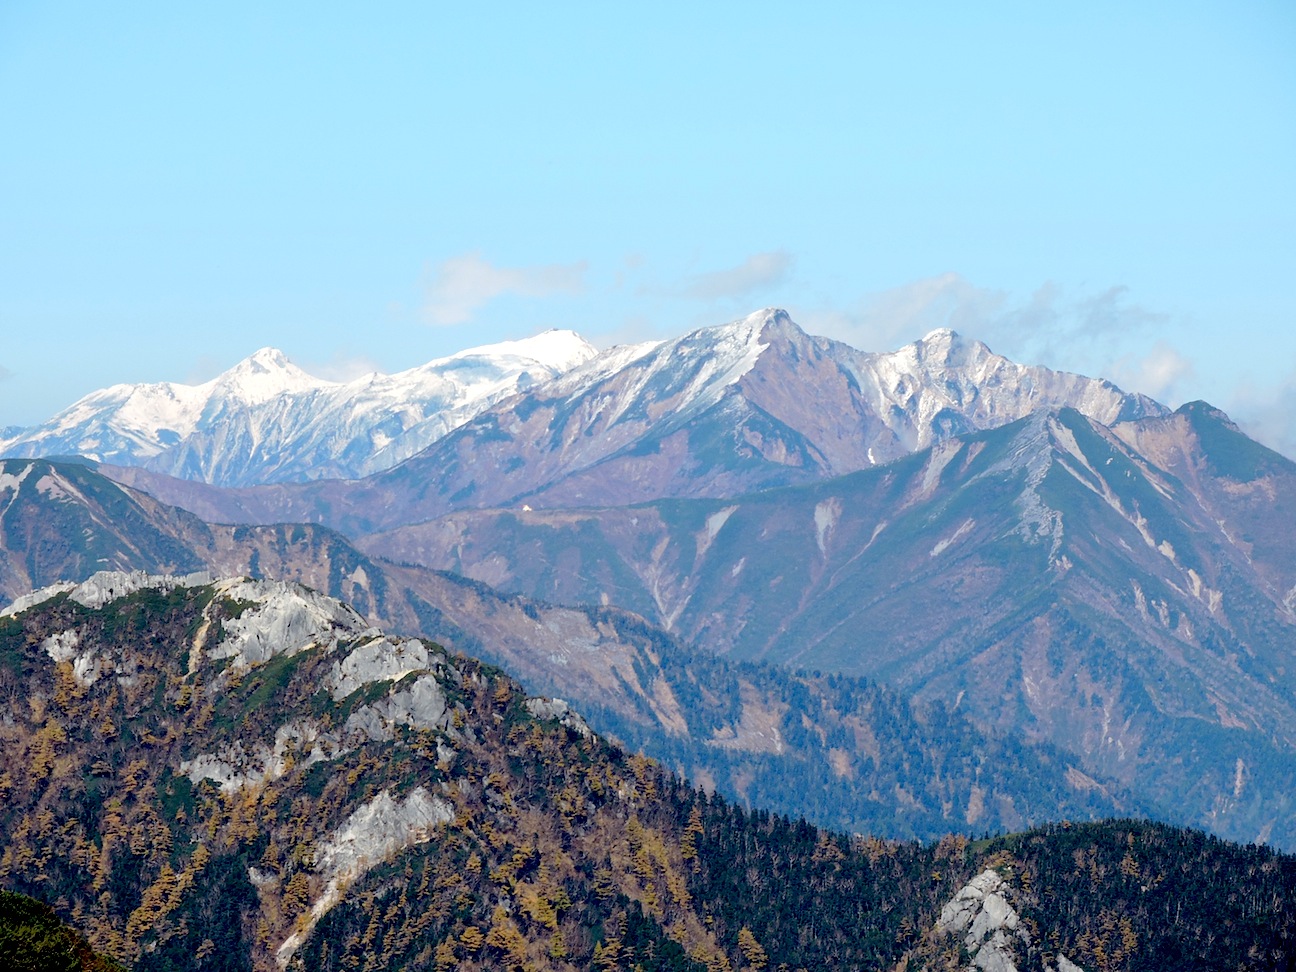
[(720, 411), (1045, 577), (265, 420)]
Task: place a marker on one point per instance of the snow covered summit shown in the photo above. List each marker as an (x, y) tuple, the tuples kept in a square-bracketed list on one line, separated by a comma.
[(267, 420)]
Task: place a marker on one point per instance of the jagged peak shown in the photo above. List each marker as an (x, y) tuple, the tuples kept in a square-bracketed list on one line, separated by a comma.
[(267, 359), (941, 335), (754, 330), (947, 348), (264, 361), (771, 317), (264, 374)]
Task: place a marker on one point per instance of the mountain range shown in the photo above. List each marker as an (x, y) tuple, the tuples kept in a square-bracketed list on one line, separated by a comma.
[(1044, 577), (1055, 560), (841, 751), (903, 594), (749, 405), (266, 420)]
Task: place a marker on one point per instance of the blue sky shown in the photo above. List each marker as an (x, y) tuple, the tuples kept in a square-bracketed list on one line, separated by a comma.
[(1108, 188)]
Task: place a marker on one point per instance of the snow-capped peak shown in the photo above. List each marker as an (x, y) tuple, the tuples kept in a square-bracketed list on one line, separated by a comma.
[(946, 348), (265, 419), (263, 375), (560, 349)]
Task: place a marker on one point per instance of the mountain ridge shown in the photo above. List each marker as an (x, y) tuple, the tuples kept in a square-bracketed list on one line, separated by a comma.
[(265, 419), (730, 409), (753, 732), (238, 774)]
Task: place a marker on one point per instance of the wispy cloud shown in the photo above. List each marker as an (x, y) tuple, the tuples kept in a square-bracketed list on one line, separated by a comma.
[(1265, 414), (758, 272), (5, 373), (1104, 333), (342, 367), (1162, 373), (462, 285), (901, 314)]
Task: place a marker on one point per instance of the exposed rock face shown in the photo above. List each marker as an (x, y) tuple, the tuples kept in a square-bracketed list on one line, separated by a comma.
[(420, 705), (375, 660), (270, 633), (989, 926), (106, 586), (983, 917), (369, 836), (558, 710), (281, 619)]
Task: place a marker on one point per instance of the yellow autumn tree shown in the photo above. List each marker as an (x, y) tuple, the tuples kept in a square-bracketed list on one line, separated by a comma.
[(751, 949)]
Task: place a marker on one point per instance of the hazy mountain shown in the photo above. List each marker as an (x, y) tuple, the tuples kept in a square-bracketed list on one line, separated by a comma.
[(1043, 577), (243, 775), (266, 420)]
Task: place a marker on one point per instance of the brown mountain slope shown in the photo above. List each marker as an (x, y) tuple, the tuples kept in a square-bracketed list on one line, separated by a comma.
[(1044, 577), (845, 753)]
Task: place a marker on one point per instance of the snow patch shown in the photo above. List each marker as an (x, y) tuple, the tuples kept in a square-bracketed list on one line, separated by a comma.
[(10, 483), (712, 528)]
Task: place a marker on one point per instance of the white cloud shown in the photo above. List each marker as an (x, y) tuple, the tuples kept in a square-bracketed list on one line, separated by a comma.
[(342, 367), (1265, 414), (463, 284), (894, 317), (1049, 327), (759, 271), (1161, 373)]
